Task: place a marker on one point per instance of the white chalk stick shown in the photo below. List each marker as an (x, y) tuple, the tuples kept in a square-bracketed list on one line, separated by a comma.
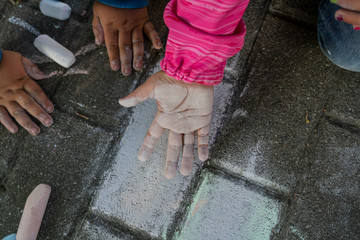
[(54, 50), (55, 9), (33, 213)]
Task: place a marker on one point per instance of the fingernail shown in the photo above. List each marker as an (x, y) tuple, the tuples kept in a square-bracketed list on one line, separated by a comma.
[(115, 65), (127, 70), (13, 130), (45, 120), (34, 131), (138, 63), (48, 122), (97, 41), (333, 1), (158, 42), (356, 28), (50, 109), (37, 71), (339, 18)]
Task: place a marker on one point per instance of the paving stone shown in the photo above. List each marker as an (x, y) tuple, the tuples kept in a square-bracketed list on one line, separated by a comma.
[(300, 10), (94, 232), (253, 17), (226, 209), (137, 193), (152, 207), (68, 156), (328, 207), (9, 143), (265, 140), (343, 108)]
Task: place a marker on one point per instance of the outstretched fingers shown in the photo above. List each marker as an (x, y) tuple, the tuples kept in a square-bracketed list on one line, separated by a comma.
[(173, 153), (203, 143), (151, 138), (188, 154)]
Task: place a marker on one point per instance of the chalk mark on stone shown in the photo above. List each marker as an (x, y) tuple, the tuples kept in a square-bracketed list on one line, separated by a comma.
[(24, 24)]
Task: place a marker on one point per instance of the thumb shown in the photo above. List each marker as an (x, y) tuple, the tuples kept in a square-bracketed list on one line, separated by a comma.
[(31, 69), (140, 94)]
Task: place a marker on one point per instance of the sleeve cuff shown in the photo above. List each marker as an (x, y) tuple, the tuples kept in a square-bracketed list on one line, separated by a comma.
[(125, 3), (193, 55)]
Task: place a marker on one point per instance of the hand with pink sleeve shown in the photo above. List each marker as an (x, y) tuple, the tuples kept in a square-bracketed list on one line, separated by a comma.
[(203, 34), (184, 109)]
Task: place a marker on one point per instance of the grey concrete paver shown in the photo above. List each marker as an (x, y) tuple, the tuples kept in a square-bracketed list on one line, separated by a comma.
[(225, 209), (328, 206), (287, 85), (283, 167), (253, 18), (68, 157)]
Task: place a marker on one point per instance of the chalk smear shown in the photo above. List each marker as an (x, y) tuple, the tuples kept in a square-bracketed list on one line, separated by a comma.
[(85, 49), (72, 71), (24, 24)]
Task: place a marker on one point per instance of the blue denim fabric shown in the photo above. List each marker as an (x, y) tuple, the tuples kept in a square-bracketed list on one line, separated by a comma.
[(10, 237), (338, 40)]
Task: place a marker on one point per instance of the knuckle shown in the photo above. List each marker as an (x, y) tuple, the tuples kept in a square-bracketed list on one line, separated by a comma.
[(138, 42), (29, 102), (36, 92), (112, 47), (18, 112)]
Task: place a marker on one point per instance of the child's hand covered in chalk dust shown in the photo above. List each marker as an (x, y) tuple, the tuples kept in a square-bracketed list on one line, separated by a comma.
[(184, 109), (19, 94), (122, 30)]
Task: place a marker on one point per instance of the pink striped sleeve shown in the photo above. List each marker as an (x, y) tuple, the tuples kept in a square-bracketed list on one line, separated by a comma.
[(203, 34)]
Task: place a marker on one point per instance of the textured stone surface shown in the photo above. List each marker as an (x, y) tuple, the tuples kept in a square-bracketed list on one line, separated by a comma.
[(157, 199), (264, 141), (343, 108), (328, 207), (94, 232), (137, 193), (53, 158), (226, 209), (300, 10), (253, 17)]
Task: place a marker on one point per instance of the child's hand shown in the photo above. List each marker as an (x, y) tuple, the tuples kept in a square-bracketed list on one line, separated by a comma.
[(20, 94), (122, 30), (350, 12), (183, 109)]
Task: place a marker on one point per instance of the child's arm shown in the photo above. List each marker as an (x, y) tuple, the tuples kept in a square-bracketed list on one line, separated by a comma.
[(121, 25), (20, 94), (203, 34)]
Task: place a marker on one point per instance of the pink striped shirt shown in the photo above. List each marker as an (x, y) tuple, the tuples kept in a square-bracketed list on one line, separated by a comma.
[(203, 34)]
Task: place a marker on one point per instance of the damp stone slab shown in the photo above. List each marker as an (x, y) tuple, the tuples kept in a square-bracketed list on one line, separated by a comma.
[(68, 156), (253, 17), (277, 110), (328, 206), (227, 209), (137, 193)]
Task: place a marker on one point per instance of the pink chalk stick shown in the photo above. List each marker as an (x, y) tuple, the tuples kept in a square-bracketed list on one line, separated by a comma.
[(33, 213)]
